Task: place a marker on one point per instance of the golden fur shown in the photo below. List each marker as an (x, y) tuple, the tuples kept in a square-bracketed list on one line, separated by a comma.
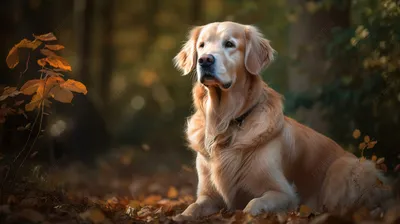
[(269, 163)]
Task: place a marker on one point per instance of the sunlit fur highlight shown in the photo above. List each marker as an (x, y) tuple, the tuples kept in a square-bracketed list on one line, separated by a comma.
[(270, 163)]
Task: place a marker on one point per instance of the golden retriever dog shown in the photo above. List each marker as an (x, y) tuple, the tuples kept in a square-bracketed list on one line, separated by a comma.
[(251, 156)]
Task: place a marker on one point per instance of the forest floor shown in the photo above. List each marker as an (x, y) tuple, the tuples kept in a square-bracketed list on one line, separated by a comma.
[(107, 194)]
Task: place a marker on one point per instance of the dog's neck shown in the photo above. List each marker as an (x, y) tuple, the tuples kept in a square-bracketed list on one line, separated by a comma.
[(222, 107)]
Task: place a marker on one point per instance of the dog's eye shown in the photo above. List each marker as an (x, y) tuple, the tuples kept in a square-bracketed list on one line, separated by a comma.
[(201, 45), (229, 44)]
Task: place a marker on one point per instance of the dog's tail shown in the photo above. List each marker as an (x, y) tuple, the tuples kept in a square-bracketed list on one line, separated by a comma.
[(351, 183)]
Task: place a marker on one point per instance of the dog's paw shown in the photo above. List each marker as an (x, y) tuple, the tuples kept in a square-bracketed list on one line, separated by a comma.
[(255, 207), (194, 211)]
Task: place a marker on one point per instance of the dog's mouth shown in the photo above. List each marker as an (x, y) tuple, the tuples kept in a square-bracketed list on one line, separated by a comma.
[(211, 80)]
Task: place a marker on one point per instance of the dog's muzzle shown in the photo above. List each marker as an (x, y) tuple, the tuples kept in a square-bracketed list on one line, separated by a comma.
[(207, 72)]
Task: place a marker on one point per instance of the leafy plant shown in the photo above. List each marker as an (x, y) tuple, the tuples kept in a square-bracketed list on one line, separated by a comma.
[(49, 85)]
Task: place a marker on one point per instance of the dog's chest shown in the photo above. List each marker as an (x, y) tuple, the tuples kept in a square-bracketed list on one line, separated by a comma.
[(236, 171), (250, 171)]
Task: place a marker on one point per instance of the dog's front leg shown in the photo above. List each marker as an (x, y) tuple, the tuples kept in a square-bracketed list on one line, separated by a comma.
[(271, 201), (208, 201)]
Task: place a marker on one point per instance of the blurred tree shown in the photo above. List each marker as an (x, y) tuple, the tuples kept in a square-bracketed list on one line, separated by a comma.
[(310, 31), (83, 19), (108, 56), (365, 91)]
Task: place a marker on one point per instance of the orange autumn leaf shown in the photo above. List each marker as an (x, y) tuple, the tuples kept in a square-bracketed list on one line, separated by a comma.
[(47, 52), (31, 86), (304, 211), (54, 47), (94, 215), (9, 92), (13, 57), (50, 72), (25, 43), (152, 199), (356, 133), (45, 37), (54, 80), (74, 86), (42, 62), (362, 146), (35, 102), (58, 62), (61, 95), (172, 192), (371, 144)]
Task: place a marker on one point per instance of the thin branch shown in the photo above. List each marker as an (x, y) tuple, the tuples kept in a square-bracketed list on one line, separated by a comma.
[(36, 138), (26, 69)]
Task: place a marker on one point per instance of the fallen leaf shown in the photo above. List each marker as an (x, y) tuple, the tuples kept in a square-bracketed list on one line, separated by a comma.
[(356, 133), (45, 37), (172, 192), (304, 211), (74, 86), (95, 215), (152, 199), (32, 215), (135, 204), (380, 160), (362, 146), (371, 144), (55, 47)]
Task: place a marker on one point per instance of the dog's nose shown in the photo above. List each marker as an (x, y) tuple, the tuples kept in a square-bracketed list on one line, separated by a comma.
[(206, 60)]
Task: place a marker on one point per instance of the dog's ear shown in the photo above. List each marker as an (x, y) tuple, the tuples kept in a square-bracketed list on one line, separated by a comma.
[(259, 52), (186, 59)]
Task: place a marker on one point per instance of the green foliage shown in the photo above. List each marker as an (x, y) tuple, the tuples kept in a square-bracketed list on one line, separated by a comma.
[(365, 93)]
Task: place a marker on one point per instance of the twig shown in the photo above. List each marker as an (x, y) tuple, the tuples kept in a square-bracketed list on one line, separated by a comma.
[(26, 69), (40, 127), (34, 140), (19, 154)]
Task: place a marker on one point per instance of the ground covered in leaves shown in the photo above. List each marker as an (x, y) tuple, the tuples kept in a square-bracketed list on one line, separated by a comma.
[(109, 194)]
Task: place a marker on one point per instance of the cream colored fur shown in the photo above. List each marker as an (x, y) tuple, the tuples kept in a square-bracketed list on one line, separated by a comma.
[(270, 163)]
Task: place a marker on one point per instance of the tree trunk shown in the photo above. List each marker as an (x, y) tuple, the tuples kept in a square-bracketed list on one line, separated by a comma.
[(107, 14), (83, 26), (307, 40)]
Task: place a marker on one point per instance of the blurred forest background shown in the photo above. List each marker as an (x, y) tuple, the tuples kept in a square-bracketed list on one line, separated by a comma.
[(338, 66)]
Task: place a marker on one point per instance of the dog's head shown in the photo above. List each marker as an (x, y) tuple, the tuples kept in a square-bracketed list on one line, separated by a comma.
[(222, 53)]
